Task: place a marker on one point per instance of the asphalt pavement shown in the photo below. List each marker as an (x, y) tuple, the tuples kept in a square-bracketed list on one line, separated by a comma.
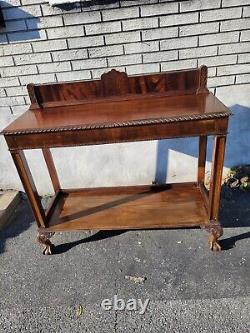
[(189, 288)]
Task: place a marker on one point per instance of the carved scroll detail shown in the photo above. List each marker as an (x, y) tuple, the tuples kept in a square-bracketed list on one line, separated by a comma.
[(203, 80), (115, 83), (215, 232), (43, 238)]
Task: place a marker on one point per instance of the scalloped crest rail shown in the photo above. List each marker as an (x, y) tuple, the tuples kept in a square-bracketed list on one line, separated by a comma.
[(121, 108)]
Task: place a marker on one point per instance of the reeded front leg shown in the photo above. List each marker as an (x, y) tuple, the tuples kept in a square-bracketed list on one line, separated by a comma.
[(43, 238)]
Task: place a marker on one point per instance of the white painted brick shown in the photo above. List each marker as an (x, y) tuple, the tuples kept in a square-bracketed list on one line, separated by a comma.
[(16, 49), (27, 100), (245, 36), (179, 43), (49, 10), (19, 109), (234, 48), (54, 67), (159, 9), (86, 7), (199, 29), (211, 71), (239, 24), (5, 115), (31, 2), (125, 60), (220, 81), (44, 22), (6, 61), (231, 3), (37, 79), (95, 6), (82, 18), (159, 33), (29, 35), (73, 76), (33, 58), (198, 52), (96, 73), (194, 5), (120, 13), (7, 101), (178, 65), (15, 25), (235, 69), (123, 37), (105, 51), (160, 56), (2, 92), (14, 13), (179, 19), (141, 47), (244, 58), (246, 11), (65, 32), (220, 14), (218, 61), (49, 45), (125, 3), (16, 91), (18, 70), (102, 28), (143, 69), (69, 55), (9, 82), (10, 3), (141, 23), (89, 64), (244, 78), (220, 38), (85, 42)]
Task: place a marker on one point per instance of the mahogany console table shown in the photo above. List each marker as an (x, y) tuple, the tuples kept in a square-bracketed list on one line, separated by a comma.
[(119, 108)]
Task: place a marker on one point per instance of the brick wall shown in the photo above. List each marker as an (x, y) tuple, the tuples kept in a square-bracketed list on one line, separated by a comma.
[(41, 43)]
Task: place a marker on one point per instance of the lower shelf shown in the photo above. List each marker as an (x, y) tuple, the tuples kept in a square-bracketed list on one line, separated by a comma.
[(132, 207)]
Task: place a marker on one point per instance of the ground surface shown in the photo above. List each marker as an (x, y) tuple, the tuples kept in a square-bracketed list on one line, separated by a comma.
[(190, 289)]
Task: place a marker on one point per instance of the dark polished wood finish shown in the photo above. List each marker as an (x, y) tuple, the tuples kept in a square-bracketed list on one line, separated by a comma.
[(133, 207), (118, 108)]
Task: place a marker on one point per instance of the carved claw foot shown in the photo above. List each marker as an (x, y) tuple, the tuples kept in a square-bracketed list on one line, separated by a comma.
[(215, 233), (43, 238)]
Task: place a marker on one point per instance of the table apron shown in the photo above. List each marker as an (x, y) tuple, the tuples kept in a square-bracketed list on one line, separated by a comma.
[(69, 138)]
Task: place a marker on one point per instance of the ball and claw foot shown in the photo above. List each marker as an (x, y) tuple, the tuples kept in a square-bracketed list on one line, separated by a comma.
[(43, 238), (215, 233)]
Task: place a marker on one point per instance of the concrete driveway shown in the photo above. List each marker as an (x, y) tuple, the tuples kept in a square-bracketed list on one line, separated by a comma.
[(189, 288)]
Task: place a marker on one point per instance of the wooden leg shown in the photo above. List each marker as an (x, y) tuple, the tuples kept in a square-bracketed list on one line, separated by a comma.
[(43, 238), (215, 190), (202, 169), (52, 169), (29, 186), (202, 159)]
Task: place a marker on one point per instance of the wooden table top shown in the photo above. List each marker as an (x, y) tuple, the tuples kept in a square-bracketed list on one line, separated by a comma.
[(119, 112)]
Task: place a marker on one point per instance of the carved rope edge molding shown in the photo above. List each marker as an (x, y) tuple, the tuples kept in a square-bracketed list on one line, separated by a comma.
[(139, 122)]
